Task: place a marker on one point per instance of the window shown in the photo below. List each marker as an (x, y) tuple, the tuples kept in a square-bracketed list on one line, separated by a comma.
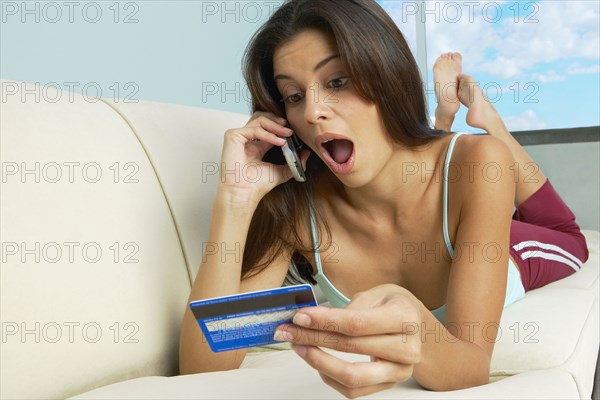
[(537, 61)]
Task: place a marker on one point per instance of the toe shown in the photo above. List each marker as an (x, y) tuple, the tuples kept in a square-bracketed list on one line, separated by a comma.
[(467, 78)]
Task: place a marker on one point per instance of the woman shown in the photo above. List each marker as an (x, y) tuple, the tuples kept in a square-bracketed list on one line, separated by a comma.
[(410, 229)]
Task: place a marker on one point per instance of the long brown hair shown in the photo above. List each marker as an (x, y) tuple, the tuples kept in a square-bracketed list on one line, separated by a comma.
[(383, 71)]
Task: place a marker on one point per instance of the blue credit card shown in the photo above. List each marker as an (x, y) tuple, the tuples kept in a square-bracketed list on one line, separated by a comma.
[(249, 319)]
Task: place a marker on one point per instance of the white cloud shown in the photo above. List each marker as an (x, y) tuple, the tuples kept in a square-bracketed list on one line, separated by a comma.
[(524, 122), (551, 76), (543, 32), (575, 69), (501, 67)]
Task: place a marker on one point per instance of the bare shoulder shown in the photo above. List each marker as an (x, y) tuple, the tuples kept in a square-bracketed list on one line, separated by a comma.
[(481, 148), (480, 159), (482, 168)]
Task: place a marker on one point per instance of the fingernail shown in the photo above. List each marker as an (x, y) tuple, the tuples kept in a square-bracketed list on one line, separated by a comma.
[(279, 335), (300, 350), (302, 320)]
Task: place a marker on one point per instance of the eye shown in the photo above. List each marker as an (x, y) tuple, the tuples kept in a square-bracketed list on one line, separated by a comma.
[(338, 83), (292, 98)]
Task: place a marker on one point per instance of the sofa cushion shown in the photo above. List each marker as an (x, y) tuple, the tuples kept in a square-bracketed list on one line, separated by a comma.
[(557, 325), (283, 375), (586, 277), (93, 281)]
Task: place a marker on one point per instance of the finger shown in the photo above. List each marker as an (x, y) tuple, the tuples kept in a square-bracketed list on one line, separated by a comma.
[(262, 146), (388, 318), (353, 393), (272, 126), (247, 134), (266, 135), (354, 374), (280, 120), (399, 348)]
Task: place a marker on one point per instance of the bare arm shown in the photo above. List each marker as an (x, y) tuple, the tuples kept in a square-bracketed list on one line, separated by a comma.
[(219, 275), (233, 208), (458, 355)]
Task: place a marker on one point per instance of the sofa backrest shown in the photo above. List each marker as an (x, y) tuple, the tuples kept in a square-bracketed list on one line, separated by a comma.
[(102, 221), (184, 145)]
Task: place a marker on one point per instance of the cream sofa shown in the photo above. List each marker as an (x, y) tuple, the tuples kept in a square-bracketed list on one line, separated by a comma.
[(105, 209)]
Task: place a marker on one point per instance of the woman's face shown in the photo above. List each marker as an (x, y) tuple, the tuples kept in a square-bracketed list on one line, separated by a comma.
[(325, 110)]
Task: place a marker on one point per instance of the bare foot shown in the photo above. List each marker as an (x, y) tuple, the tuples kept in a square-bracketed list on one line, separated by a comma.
[(446, 70), (482, 113)]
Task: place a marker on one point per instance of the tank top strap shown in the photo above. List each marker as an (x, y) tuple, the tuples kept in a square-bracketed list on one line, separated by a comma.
[(445, 200), (333, 295), (315, 241)]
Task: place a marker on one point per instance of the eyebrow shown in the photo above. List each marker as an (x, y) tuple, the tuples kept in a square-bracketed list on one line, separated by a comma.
[(319, 65)]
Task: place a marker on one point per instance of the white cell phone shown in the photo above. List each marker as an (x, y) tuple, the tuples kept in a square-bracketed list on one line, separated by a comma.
[(292, 157)]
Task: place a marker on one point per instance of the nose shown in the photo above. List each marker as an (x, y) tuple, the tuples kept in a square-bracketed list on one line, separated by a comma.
[(318, 104)]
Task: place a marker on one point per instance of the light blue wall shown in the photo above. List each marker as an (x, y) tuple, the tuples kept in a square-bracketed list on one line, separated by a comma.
[(573, 169), (184, 52)]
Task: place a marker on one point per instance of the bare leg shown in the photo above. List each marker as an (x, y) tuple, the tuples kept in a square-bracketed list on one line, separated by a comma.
[(483, 115), (446, 70)]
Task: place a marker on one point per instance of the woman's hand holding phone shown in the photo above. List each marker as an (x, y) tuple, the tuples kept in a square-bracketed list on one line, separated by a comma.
[(242, 168)]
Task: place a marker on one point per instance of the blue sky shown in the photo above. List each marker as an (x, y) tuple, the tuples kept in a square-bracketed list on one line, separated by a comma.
[(539, 61)]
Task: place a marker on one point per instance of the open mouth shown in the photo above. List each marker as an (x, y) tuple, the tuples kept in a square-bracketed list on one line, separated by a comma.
[(339, 154)]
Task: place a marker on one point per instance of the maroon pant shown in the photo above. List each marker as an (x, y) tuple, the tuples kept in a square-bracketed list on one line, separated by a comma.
[(545, 241)]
